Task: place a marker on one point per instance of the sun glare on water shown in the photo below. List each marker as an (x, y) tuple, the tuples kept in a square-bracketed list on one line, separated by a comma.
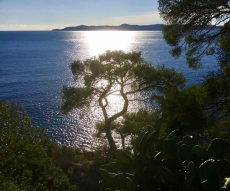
[(97, 42), (94, 43)]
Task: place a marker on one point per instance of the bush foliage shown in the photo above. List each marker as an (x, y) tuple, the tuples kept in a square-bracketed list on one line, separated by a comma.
[(168, 162), (26, 154)]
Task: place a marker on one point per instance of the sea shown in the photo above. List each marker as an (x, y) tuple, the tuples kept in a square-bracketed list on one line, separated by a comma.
[(34, 66)]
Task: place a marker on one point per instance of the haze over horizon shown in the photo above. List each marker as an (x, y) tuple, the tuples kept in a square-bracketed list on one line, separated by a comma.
[(48, 15)]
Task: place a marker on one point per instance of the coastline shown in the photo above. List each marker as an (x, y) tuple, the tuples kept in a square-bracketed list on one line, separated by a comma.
[(123, 27)]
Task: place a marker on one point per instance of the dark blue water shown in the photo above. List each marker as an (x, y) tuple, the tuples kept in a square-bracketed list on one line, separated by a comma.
[(35, 65)]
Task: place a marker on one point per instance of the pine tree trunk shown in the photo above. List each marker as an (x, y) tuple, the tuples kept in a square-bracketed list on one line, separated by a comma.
[(112, 144), (123, 141)]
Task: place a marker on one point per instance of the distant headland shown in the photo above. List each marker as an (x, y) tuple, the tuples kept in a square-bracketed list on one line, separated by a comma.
[(123, 27)]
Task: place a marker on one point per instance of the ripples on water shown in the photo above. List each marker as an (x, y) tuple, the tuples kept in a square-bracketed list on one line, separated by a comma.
[(35, 65)]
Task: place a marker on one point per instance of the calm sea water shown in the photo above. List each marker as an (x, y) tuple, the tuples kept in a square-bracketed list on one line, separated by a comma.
[(35, 65)]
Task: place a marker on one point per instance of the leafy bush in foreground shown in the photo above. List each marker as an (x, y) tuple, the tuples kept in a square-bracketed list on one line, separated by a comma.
[(26, 161), (28, 166), (168, 162)]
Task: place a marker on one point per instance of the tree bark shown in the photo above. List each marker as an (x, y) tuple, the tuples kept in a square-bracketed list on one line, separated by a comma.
[(111, 141), (123, 141)]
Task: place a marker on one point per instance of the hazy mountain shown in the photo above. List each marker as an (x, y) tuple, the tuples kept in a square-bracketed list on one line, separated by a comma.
[(123, 27)]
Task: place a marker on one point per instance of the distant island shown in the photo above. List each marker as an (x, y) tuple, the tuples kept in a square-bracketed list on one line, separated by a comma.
[(123, 27)]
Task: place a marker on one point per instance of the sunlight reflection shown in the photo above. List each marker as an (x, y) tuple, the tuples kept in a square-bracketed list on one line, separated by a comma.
[(115, 100), (85, 45), (98, 42), (94, 43)]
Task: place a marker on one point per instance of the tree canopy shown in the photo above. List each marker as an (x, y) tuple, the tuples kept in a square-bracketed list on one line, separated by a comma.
[(116, 73), (202, 27), (184, 110), (193, 26)]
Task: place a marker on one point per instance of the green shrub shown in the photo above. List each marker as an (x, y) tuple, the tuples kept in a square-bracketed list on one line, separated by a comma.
[(27, 165), (167, 162), (27, 154)]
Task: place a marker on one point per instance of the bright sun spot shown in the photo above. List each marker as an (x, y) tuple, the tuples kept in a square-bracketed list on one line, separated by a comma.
[(98, 42)]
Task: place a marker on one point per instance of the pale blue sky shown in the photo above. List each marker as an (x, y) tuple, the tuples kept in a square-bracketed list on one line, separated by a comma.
[(49, 14)]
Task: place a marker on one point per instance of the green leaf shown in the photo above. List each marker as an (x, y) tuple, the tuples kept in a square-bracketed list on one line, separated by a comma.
[(176, 139), (184, 152), (163, 156), (100, 186), (139, 167), (122, 156), (137, 143), (170, 146), (119, 181), (158, 124), (108, 189), (223, 168), (179, 144), (150, 129), (118, 167), (202, 153), (190, 174), (110, 160), (160, 143), (131, 186), (143, 142), (107, 176), (206, 169), (166, 175), (219, 148), (189, 141), (170, 136), (151, 142)]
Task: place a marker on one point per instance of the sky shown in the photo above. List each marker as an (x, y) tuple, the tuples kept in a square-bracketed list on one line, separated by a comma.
[(52, 14)]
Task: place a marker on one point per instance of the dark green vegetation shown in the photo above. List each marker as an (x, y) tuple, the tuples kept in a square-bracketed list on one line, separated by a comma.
[(188, 28), (131, 125), (116, 73), (26, 162), (192, 26), (30, 161), (167, 162)]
